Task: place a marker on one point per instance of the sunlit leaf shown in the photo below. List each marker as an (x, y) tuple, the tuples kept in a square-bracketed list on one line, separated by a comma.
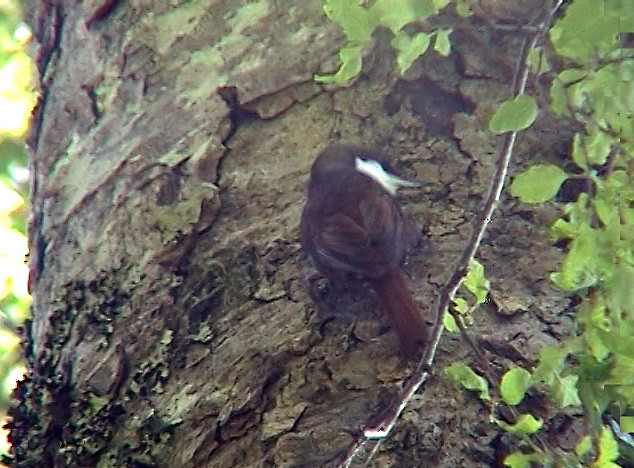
[(462, 374), (521, 460), (461, 305), (13, 271), (565, 391), (551, 363), (608, 448), (463, 8), (350, 66), (587, 25), (393, 13), (514, 115), (442, 44), (607, 212), (353, 18), (16, 97), (562, 229), (409, 49), (622, 371), (584, 446), (578, 269), (476, 282), (15, 374), (538, 183), (578, 152), (526, 424), (627, 423), (450, 323), (10, 200), (440, 4), (597, 146), (8, 341), (514, 384)]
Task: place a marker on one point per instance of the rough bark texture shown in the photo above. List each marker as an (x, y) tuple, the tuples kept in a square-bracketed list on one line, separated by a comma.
[(171, 325)]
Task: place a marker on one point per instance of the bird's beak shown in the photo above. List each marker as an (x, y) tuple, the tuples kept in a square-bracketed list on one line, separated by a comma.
[(390, 182)]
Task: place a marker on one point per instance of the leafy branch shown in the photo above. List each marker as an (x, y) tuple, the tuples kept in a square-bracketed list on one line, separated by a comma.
[(504, 121), (593, 88), (358, 22), (593, 368)]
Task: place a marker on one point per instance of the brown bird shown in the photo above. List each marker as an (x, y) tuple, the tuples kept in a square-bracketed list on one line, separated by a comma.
[(352, 226)]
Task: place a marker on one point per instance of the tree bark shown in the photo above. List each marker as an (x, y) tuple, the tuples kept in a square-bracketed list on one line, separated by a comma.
[(171, 323)]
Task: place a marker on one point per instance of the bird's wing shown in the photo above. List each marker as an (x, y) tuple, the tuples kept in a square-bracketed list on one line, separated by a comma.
[(364, 239)]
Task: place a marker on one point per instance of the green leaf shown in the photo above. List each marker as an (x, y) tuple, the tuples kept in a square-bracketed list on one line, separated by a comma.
[(449, 323), (596, 396), (596, 345), (350, 66), (565, 391), (476, 282), (442, 45), (572, 75), (579, 267), (10, 200), (578, 152), (622, 372), (514, 384), (558, 98), (463, 8), (608, 448), (426, 8), (592, 315), (620, 344), (353, 18), (587, 26), (597, 146), (462, 374), (538, 62), (538, 183), (562, 229), (627, 423), (12, 154), (409, 49), (96, 403), (521, 460), (514, 115), (620, 180), (551, 363), (584, 446), (461, 305), (607, 211), (394, 14), (621, 296), (440, 4), (526, 424)]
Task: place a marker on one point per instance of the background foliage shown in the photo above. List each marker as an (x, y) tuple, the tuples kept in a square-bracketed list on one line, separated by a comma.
[(16, 101), (592, 85), (593, 368)]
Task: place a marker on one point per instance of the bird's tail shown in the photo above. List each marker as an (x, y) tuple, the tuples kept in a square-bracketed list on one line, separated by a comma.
[(403, 312)]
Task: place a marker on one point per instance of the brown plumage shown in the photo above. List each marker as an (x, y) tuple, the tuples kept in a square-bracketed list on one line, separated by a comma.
[(353, 225)]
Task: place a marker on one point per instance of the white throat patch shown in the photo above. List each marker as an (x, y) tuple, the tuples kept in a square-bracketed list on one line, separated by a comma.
[(390, 182)]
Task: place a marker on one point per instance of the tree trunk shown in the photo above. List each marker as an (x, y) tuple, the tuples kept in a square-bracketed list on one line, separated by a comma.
[(171, 323)]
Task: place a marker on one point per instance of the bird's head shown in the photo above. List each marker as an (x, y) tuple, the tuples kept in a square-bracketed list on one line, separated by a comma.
[(340, 164)]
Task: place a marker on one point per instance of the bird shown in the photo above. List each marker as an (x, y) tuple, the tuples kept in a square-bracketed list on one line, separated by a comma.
[(352, 226)]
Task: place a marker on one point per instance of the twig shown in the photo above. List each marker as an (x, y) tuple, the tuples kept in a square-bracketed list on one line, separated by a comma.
[(380, 427), (477, 352)]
